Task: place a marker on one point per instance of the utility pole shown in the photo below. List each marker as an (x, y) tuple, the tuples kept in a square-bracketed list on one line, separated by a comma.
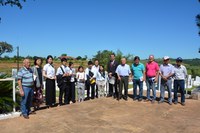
[(17, 58)]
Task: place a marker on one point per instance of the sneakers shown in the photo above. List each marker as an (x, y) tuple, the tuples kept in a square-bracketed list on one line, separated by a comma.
[(175, 102), (159, 102), (153, 101), (26, 116), (134, 99), (140, 99), (147, 100)]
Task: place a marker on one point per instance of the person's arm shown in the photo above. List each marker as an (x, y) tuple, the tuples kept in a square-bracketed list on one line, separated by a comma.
[(157, 73), (172, 73), (19, 76), (160, 73), (130, 73), (117, 72), (86, 72), (21, 92), (185, 71), (44, 72), (144, 73)]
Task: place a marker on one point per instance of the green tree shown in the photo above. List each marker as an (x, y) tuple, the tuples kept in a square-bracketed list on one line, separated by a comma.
[(79, 58), (119, 55), (5, 48), (63, 54), (12, 3), (103, 57)]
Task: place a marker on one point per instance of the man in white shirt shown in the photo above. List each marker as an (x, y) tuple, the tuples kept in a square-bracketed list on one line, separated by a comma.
[(95, 67), (180, 75), (123, 72), (63, 80)]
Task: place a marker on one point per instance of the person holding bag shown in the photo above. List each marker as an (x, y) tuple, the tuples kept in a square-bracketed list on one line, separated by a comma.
[(63, 80), (38, 83)]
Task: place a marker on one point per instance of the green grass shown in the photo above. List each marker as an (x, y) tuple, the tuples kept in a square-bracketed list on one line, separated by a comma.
[(190, 89)]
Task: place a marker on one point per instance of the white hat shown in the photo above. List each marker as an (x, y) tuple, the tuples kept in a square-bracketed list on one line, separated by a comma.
[(166, 57)]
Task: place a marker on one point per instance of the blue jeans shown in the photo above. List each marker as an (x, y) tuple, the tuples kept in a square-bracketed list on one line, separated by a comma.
[(137, 82), (26, 100), (179, 84), (151, 85), (167, 84)]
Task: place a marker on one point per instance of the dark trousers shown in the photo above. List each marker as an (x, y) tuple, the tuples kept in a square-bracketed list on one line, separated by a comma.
[(72, 92), (111, 89), (64, 90), (123, 82), (88, 85), (96, 90), (179, 84), (50, 92)]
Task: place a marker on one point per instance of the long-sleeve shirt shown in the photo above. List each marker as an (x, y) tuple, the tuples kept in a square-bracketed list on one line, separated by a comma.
[(180, 72)]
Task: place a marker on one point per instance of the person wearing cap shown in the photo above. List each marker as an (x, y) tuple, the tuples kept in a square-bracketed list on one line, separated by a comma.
[(138, 71), (63, 80), (50, 87), (152, 72), (180, 75), (166, 73)]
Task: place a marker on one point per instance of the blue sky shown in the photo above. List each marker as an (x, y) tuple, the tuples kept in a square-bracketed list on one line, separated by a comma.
[(83, 27)]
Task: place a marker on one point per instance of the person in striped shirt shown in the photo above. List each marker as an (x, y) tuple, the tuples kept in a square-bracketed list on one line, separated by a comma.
[(25, 83)]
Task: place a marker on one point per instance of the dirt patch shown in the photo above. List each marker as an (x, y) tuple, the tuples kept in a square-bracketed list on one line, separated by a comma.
[(108, 115)]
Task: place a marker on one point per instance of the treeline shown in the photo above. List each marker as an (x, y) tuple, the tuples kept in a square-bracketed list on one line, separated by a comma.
[(192, 65)]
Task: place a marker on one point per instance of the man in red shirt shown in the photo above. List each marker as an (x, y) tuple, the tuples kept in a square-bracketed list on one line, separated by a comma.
[(152, 72)]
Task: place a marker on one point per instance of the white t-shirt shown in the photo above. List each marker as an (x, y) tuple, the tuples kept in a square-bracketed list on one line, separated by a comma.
[(50, 70), (80, 76)]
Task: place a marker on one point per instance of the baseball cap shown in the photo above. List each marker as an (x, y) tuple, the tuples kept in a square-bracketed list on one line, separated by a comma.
[(179, 59), (166, 57)]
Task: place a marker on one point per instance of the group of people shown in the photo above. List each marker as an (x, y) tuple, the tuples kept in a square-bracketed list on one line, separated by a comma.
[(94, 79)]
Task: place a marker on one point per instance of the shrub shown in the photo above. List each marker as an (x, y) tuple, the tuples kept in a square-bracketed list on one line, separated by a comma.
[(6, 96)]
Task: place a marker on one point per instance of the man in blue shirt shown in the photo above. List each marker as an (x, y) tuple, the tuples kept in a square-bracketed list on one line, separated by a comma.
[(25, 82), (138, 72)]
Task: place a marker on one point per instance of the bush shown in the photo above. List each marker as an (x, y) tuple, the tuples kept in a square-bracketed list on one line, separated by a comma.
[(6, 96)]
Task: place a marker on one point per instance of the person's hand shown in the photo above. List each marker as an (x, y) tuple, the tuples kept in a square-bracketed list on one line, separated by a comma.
[(21, 92), (119, 78), (66, 74), (110, 75), (156, 80), (164, 78)]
